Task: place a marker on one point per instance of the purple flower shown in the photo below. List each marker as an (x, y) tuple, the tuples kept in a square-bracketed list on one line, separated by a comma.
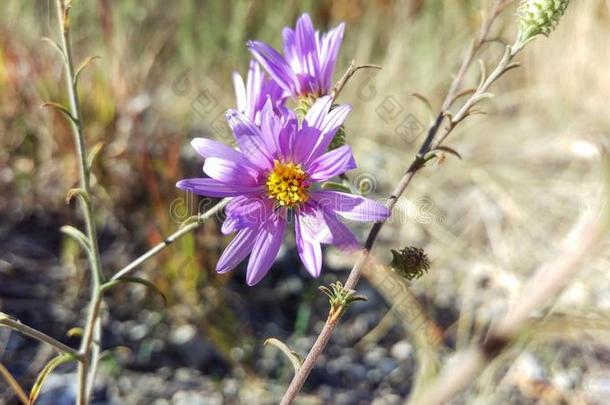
[(274, 177), (307, 66), (252, 95)]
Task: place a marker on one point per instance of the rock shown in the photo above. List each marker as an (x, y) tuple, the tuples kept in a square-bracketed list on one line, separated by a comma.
[(402, 351)]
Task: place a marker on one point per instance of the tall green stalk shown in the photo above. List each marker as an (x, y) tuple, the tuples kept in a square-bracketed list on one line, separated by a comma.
[(95, 303)]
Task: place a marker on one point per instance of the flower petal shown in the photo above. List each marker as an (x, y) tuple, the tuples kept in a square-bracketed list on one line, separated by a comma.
[(210, 148), (331, 164), (274, 64), (265, 249), (230, 172), (339, 234), (250, 140), (329, 50), (352, 207), (241, 97), (213, 188), (236, 250), (308, 247)]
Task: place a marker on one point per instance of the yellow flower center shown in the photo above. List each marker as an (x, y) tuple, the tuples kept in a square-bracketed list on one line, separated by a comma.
[(287, 184)]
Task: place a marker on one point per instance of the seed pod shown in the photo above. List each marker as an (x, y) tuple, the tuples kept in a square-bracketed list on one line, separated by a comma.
[(410, 262)]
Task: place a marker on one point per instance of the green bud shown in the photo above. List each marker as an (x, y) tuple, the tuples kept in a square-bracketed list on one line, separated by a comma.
[(538, 17)]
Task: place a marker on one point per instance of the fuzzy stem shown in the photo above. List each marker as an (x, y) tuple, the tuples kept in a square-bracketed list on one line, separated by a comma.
[(323, 338), (86, 206)]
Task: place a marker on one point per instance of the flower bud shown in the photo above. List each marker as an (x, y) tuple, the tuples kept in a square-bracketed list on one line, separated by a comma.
[(539, 17)]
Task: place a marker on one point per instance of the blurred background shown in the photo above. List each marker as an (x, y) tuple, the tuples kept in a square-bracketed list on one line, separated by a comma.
[(530, 170)]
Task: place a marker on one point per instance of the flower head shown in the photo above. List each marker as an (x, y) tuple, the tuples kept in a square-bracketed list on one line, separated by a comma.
[(306, 68), (252, 95), (274, 177)]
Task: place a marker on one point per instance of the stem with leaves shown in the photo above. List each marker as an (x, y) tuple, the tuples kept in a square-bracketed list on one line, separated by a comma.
[(92, 326), (422, 156)]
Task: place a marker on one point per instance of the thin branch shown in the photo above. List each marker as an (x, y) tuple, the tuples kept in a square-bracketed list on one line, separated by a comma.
[(10, 380), (15, 324), (322, 340), (171, 239), (351, 70)]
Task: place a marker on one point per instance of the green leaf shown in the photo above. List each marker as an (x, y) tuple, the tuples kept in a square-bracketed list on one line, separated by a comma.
[(331, 185), (148, 284), (93, 154), (77, 192), (46, 371), (61, 109), (295, 358), (83, 65), (426, 103), (75, 332), (78, 236)]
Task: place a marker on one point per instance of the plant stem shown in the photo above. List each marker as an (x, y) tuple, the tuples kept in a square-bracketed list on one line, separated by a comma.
[(10, 380), (171, 239), (12, 323), (63, 11), (325, 334)]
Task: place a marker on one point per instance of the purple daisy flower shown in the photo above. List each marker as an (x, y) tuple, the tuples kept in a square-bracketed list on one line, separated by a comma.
[(252, 95), (273, 178), (307, 66)]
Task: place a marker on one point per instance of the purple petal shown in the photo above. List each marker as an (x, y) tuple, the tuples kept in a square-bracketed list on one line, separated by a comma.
[(308, 247), (241, 97), (250, 140), (250, 211), (214, 188), (230, 172), (265, 249), (331, 164), (340, 235), (316, 115), (306, 46), (324, 227), (351, 207), (236, 250), (274, 64), (329, 50), (332, 122), (210, 148)]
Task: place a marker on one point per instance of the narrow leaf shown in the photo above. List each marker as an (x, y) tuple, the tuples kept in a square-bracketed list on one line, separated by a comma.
[(10, 380), (83, 65), (293, 356), (331, 185), (61, 109), (46, 371), (78, 236), (426, 103), (55, 46), (449, 150), (77, 192), (93, 154), (147, 283)]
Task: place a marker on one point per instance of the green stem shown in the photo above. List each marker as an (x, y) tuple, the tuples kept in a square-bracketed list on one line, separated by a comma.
[(170, 239), (86, 206)]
